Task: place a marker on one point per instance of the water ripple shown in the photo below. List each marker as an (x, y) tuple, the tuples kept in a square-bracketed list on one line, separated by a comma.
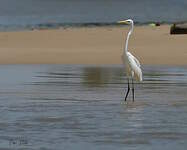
[(72, 106)]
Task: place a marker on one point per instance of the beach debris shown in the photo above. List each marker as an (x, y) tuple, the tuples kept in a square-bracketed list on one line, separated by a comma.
[(178, 29), (154, 24)]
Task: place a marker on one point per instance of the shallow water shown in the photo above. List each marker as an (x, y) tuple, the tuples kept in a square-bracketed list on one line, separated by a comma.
[(81, 107)]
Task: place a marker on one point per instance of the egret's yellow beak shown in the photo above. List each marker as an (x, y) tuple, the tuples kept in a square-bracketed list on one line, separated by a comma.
[(123, 22)]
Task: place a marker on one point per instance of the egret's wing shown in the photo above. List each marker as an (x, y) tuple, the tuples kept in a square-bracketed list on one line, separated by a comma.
[(135, 67), (134, 58)]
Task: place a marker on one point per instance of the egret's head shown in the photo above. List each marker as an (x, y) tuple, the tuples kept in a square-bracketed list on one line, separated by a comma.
[(128, 21)]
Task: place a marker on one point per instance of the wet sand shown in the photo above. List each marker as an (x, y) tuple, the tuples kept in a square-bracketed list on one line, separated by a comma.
[(96, 45)]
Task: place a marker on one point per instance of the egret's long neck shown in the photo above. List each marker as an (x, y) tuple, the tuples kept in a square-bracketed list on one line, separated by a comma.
[(127, 40)]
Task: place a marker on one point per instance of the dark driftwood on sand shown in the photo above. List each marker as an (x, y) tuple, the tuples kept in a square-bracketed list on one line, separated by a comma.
[(178, 29)]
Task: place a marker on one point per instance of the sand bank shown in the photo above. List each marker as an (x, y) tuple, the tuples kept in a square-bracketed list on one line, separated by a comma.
[(97, 45)]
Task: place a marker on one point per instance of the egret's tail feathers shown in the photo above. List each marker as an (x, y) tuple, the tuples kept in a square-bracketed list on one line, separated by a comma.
[(138, 74)]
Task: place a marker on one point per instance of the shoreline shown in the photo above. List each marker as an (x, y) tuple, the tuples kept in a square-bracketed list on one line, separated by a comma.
[(92, 45), (55, 26)]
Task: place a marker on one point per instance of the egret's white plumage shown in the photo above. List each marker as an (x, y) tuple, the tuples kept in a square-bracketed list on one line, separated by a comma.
[(131, 63), (132, 66)]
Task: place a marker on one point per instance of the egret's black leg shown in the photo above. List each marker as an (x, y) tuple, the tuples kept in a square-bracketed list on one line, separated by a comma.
[(132, 90), (127, 90)]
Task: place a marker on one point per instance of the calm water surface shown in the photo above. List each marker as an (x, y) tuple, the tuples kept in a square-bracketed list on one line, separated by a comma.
[(81, 107), (27, 14)]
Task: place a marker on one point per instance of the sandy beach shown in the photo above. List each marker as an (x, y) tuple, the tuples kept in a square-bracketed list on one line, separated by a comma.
[(95, 45)]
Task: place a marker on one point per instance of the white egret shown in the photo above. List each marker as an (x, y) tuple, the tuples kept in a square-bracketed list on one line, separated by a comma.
[(131, 64)]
